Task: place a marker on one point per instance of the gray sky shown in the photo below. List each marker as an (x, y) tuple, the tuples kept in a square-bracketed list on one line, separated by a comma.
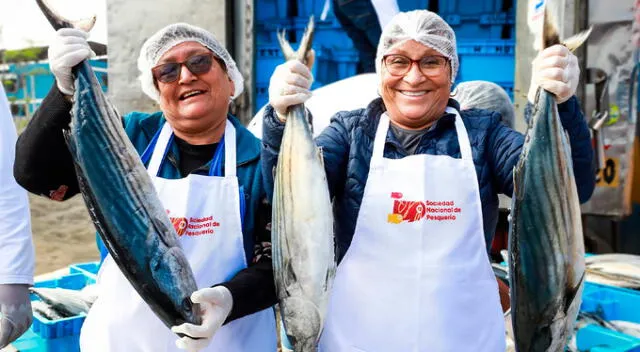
[(23, 24)]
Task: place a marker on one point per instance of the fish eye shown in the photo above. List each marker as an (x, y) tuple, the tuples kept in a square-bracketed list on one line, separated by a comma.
[(187, 305)]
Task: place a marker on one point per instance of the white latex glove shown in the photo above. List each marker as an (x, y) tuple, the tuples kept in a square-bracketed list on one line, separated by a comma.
[(215, 303), (556, 70), (15, 312), (289, 85), (68, 48)]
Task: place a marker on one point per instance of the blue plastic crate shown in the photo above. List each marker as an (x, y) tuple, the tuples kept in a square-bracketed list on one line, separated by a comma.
[(262, 95), (486, 60), (63, 327), (335, 64), (328, 34), (612, 303), (470, 7), (59, 335), (266, 31), (409, 5), (267, 10), (90, 270), (485, 26), (598, 339), (31, 342), (316, 8), (268, 57)]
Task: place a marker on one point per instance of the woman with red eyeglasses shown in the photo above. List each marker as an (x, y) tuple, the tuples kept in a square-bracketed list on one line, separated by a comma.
[(415, 183), (206, 169)]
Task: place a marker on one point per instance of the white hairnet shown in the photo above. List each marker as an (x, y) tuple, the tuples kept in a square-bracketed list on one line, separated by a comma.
[(172, 35), (485, 95), (426, 28)]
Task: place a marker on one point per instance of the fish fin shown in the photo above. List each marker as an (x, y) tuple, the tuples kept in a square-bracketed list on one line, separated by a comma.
[(289, 278), (309, 118), (305, 42), (320, 156), (550, 33), (286, 48), (572, 293), (574, 42)]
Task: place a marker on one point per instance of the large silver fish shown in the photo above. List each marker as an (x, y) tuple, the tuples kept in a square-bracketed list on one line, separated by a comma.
[(615, 269), (66, 302), (546, 249), (122, 200), (302, 233)]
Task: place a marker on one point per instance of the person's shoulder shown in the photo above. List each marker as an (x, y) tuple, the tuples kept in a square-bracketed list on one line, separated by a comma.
[(480, 119), (137, 118), (142, 126), (247, 144)]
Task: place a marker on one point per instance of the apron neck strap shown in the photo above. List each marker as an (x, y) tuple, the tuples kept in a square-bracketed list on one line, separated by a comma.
[(163, 139), (160, 150), (229, 150), (379, 141), (463, 137), (383, 127)]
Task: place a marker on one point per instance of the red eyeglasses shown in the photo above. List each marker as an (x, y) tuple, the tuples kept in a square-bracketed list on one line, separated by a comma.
[(400, 65)]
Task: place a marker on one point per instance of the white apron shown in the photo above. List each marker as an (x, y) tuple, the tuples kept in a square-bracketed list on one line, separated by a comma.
[(417, 276), (204, 210)]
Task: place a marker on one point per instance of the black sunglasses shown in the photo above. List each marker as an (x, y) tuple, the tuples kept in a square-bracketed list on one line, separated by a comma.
[(170, 72)]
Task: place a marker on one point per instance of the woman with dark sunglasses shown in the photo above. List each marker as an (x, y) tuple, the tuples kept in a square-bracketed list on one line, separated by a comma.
[(415, 182), (206, 169)]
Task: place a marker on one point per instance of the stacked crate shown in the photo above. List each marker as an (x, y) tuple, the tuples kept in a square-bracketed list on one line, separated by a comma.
[(336, 57), (485, 31)]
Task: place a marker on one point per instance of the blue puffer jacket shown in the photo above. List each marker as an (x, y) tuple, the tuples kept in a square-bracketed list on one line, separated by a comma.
[(348, 141)]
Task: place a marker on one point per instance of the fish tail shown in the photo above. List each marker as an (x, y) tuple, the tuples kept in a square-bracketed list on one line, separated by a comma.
[(58, 21)]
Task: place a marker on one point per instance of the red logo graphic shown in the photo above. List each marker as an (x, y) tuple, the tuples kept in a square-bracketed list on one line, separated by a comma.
[(412, 210), (59, 193), (193, 226), (180, 224)]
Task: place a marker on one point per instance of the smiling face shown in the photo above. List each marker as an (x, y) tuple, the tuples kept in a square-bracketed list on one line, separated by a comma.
[(414, 100), (194, 104)]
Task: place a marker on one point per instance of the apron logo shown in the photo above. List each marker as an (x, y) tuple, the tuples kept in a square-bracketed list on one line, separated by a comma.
[(429, 210), (193, 227), (59, 193), (180, 224)]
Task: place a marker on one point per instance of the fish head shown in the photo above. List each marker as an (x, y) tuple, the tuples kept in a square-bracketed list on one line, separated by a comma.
[(302, 323), (172, 272)]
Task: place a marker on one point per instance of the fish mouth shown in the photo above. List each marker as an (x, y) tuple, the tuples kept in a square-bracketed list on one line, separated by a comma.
[(191, 94)]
